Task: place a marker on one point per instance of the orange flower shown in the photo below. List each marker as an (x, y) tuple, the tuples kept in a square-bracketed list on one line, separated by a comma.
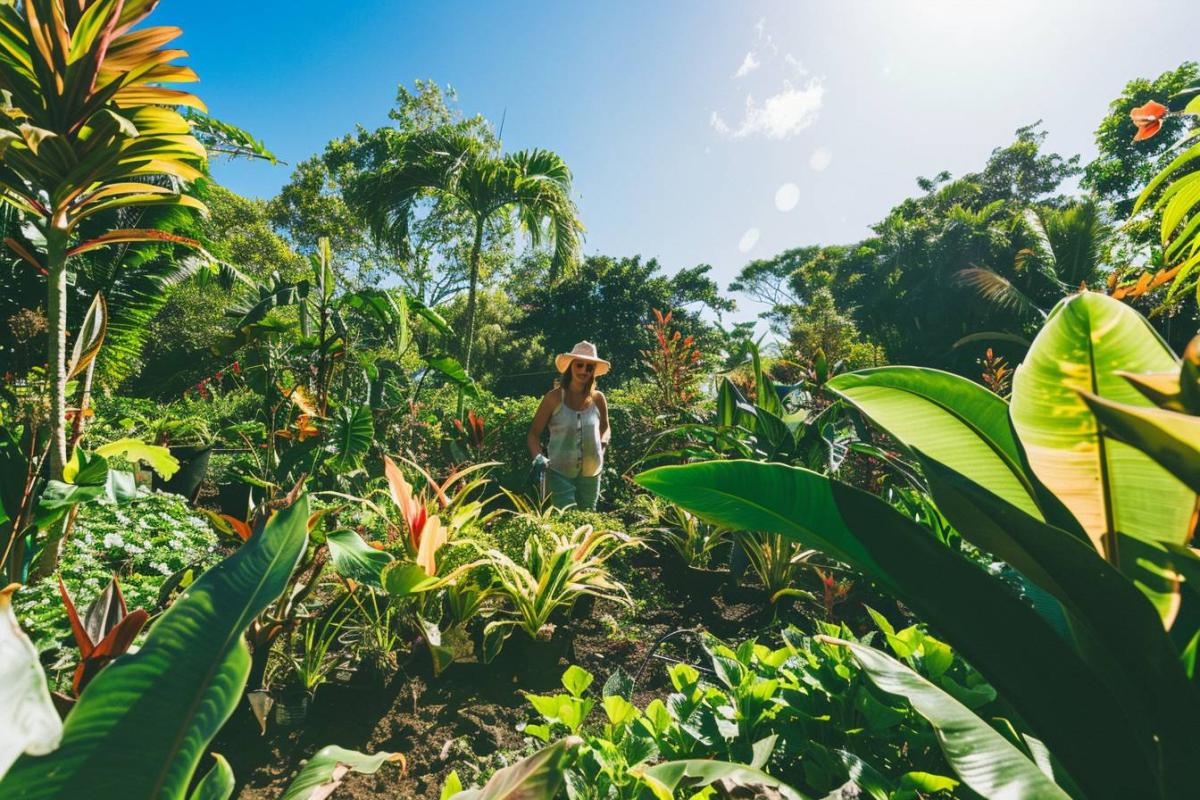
[(1149, 119)]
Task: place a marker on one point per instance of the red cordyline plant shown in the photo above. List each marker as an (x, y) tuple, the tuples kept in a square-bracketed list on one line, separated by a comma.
[(473, 430), (106, 630), (86, 126), (997, 375), (674, 362)]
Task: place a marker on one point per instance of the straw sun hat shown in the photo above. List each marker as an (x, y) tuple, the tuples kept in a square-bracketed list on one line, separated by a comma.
[(584, 351)]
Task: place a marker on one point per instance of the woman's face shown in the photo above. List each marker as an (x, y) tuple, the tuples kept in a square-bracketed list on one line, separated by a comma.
[(581, 372)]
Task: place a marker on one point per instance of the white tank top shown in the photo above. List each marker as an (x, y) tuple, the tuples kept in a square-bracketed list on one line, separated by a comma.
[(575, 440)]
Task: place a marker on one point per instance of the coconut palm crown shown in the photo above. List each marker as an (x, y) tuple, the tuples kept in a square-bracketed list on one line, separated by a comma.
[(459, 169)]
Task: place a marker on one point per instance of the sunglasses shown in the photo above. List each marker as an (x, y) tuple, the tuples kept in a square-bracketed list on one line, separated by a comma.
[(585, 366)]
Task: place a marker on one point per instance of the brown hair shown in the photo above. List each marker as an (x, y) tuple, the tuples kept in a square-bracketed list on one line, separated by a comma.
[(564, 380)]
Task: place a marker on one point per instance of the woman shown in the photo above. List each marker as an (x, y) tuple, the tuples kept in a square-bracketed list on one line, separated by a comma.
[(578, 418)]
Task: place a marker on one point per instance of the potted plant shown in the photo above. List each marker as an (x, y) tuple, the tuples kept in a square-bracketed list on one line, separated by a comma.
[(190, 440), (307, 664)]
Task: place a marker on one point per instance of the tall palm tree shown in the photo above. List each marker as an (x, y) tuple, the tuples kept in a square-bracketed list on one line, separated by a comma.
[(1066, 250), (458, 169), (84, 122)]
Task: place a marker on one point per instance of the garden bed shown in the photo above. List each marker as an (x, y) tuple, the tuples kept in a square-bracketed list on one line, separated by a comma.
[(468, 719)]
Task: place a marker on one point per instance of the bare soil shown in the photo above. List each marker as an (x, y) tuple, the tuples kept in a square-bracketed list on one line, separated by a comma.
[(467, 718)]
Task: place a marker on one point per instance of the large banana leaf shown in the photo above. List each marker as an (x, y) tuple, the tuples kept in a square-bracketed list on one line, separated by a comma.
[(324, 772), (1108, 485), (685, 778), (142, 725), (217, 784), (1069, 707), (984, 759), (1116, 627), (953, 420), (1170, 438), (537, 777)]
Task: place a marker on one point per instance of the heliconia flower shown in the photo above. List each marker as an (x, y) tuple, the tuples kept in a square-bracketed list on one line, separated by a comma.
[(237, 368), (1148, 119)]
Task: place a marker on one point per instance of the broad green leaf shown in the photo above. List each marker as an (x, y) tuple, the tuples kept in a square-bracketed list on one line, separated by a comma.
[(1170, 438), (954, 420), (452, 786), (217, 784), (1118, 631), (1108, 485), (402, 578), (452, 370), (27, 715), (355, 559), (351, 436), (576, 680), (538, 777), (159, 458), (1057, 692), (323, 773), (984, 759), (684, 778), (142, 725)]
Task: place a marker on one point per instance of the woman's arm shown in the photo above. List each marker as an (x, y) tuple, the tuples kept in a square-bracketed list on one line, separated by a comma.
[(544, 410), (602, 407)]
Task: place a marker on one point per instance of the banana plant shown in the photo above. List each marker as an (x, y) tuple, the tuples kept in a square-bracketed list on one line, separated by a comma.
[(1097, 530), (84, 122), (142, 725)]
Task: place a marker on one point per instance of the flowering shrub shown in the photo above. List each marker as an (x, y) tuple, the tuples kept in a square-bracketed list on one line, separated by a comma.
[(143, 542), (674, 362)]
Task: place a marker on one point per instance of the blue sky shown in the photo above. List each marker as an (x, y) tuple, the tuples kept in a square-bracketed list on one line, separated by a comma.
[(698, 132)]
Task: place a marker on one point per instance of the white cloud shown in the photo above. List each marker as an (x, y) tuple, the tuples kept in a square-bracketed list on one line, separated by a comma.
[(749, 64), (748, 240), (779, 116), (719, 124), (821, 158), (787, 196)]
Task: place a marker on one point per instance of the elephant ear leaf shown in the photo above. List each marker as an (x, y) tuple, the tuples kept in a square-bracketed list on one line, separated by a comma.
[(355, 559), (142, 725), (984, 759)]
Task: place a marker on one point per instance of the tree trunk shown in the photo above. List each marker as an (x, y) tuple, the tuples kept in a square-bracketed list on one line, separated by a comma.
[(56, 347), (476, 249)]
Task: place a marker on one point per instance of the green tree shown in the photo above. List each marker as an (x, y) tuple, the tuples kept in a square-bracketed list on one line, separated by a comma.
[(84, 122), (464, 174), (433, 264), (1123, 167), (609, 301), (193, 318)]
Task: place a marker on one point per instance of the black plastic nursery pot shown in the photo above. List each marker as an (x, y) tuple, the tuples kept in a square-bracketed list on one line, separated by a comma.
[(704, 584), (234, 498), (291, 708), (193, 467)]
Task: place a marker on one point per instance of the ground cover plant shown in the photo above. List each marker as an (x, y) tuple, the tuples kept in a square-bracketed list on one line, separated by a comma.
[(269, 528)]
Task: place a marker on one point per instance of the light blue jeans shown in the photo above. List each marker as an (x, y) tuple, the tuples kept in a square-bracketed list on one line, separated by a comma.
[(580, 492)]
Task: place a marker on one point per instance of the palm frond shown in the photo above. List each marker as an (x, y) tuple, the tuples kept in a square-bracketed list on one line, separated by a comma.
[(998, 291)]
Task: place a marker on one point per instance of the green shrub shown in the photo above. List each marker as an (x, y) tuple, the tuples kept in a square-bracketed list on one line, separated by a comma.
[(142, 543)]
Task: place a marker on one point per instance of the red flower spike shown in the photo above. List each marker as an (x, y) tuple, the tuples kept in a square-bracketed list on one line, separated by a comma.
[(1148, 119)]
